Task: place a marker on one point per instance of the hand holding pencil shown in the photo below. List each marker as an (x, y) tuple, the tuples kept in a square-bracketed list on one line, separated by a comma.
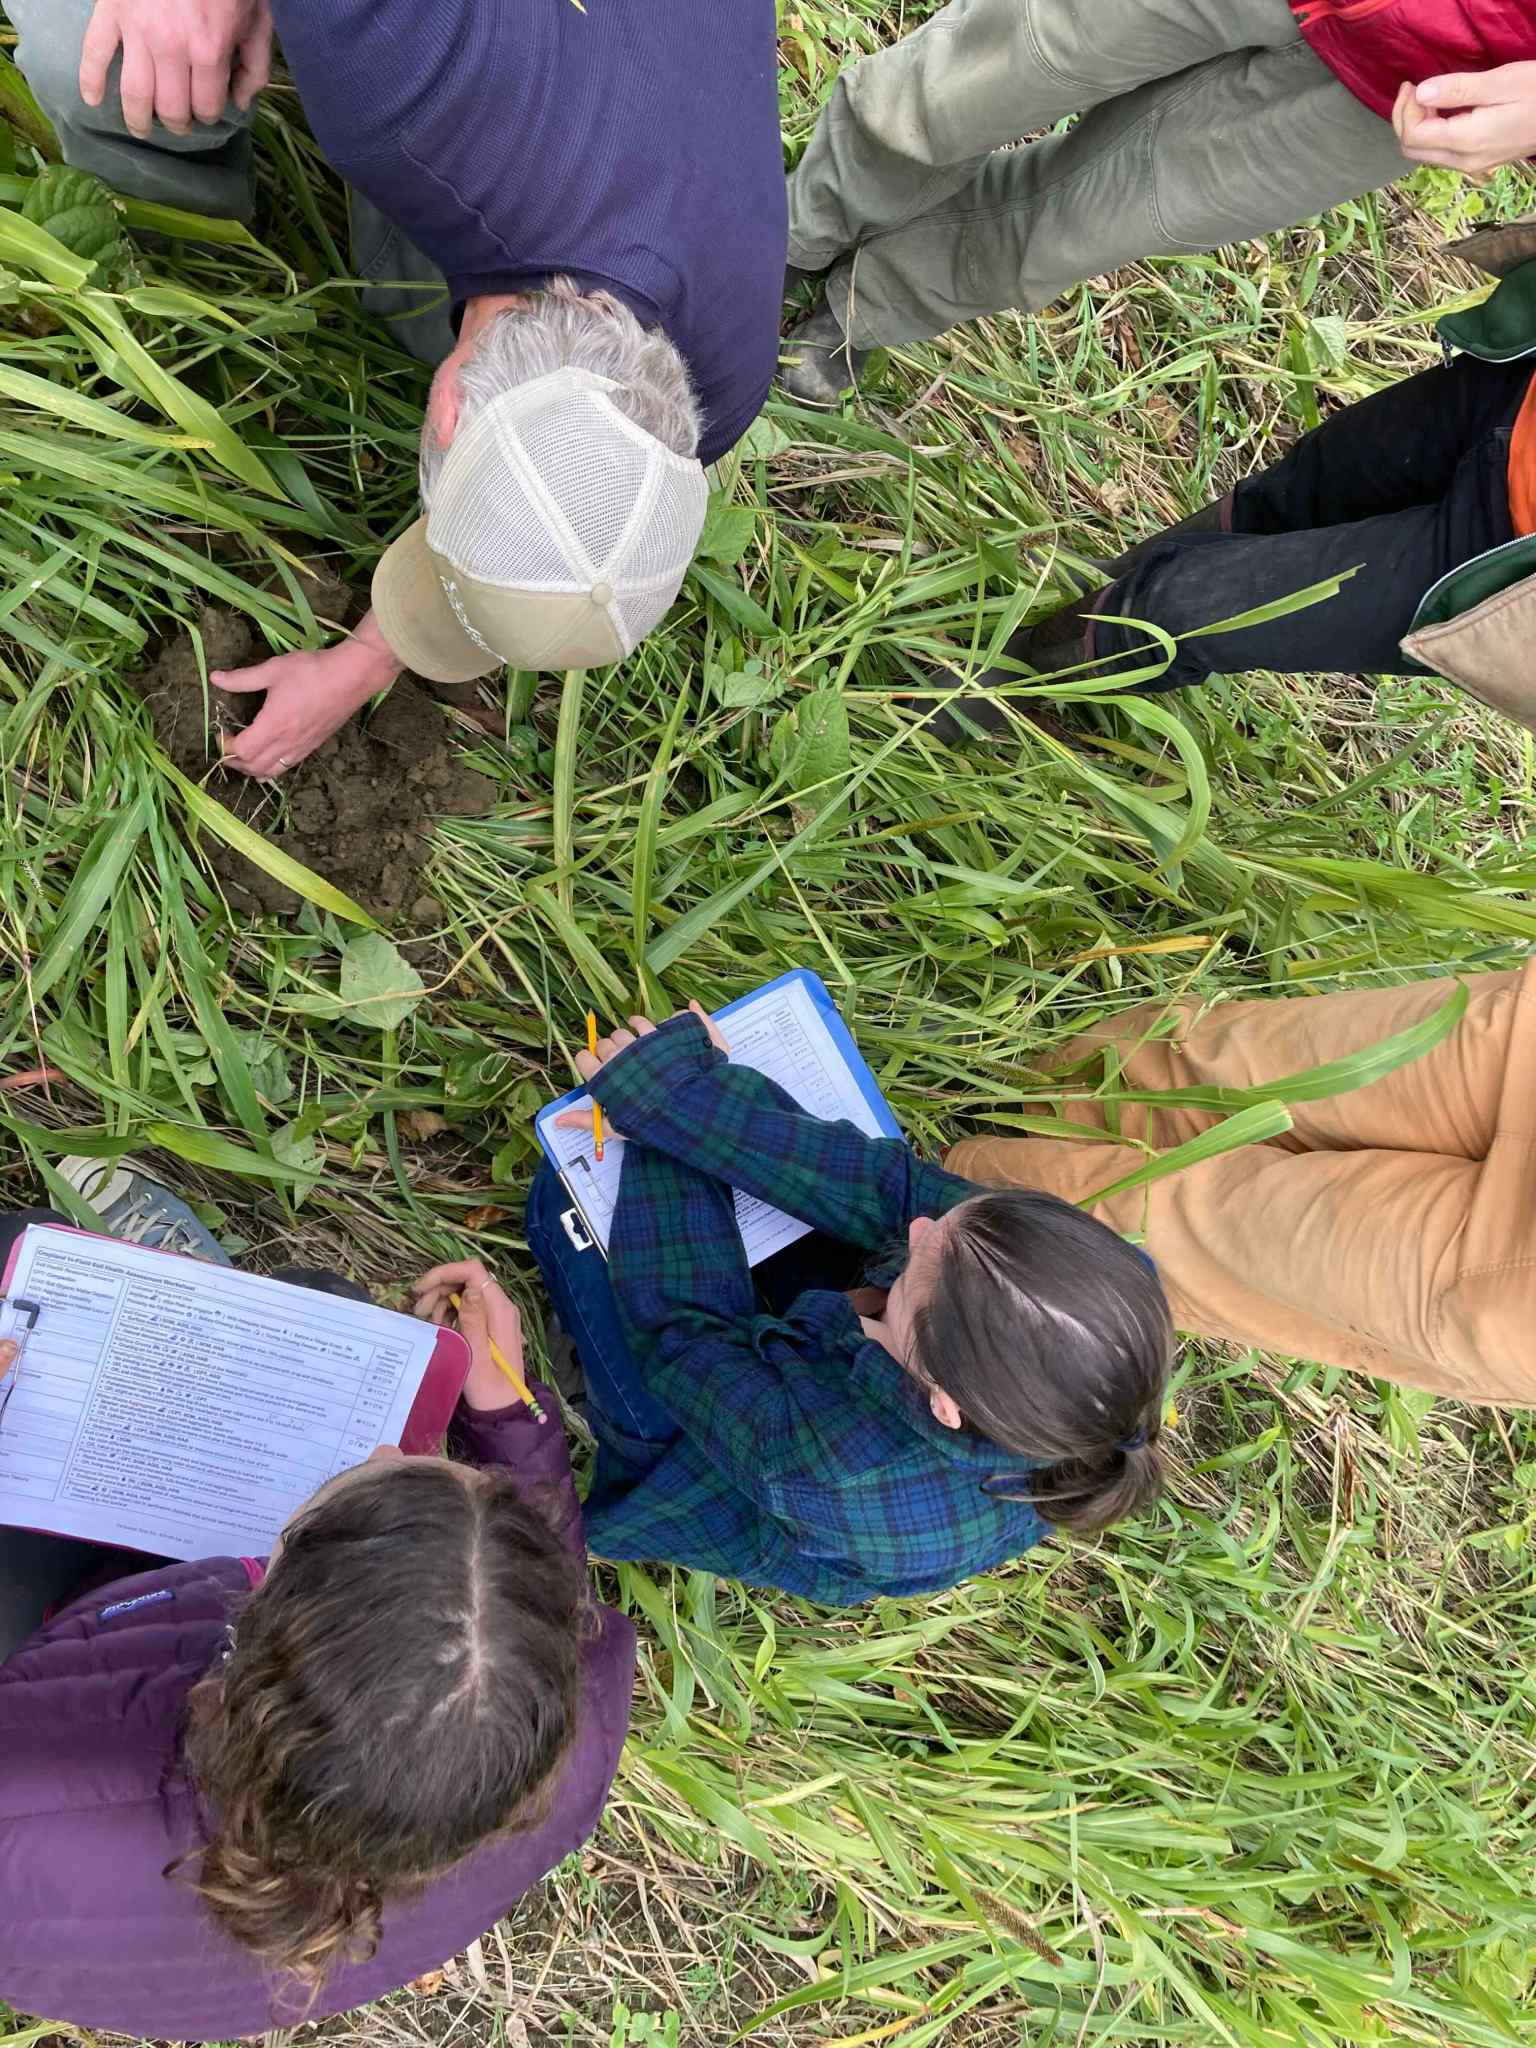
[(601, 1050), (492, 1326)]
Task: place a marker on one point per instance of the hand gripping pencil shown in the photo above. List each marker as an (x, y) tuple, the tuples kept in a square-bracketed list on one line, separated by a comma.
[(499, 1359)]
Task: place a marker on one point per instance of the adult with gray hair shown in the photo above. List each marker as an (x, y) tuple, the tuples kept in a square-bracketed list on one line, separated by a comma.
[(577, 214)]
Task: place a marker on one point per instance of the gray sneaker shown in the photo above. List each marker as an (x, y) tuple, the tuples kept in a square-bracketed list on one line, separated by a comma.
[(816, 363), (137, 1209)]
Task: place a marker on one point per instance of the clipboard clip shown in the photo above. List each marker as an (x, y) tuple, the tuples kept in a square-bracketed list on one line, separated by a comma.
[(575, 1229), (31, 1310)]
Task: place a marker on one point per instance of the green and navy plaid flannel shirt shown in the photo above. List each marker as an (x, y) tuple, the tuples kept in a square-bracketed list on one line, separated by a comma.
[(808, 1458)]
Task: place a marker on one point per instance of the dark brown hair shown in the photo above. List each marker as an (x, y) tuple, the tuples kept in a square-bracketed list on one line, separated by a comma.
[(401, 1687), (1052, 1336)]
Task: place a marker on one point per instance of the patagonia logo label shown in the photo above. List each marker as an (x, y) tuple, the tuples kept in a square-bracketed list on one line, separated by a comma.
[(131, 1606)]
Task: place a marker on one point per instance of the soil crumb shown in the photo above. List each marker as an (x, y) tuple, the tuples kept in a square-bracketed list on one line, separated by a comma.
[(358, 811)]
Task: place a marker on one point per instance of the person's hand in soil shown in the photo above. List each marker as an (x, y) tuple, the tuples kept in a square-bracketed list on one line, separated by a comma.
[(183, 60), (310, 695)]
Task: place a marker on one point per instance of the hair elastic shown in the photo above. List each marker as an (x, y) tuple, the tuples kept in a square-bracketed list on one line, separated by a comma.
[(1136, 1441)]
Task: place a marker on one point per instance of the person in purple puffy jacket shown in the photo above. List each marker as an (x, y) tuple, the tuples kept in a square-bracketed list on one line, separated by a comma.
[(236, 1793)]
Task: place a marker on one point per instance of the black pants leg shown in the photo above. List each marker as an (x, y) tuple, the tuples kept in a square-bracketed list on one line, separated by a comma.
[(1346, 498), (322, 1280), (14, 1223), (1398, 448)]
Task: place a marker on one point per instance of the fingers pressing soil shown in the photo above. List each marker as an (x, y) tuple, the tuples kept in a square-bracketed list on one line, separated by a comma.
[(358, 811)]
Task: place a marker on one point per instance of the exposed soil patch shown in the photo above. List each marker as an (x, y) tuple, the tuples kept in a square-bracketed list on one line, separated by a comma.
[(358, 811)]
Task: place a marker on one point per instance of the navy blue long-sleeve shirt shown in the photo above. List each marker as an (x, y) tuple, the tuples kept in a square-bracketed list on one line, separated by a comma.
[(631, 144)]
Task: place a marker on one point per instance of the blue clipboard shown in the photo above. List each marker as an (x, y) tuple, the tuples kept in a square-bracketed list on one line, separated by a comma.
[(841, 1036), (832, 1018)]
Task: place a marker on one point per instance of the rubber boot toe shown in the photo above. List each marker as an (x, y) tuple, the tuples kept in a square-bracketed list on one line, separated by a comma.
[(1046, 647), (817, 365)]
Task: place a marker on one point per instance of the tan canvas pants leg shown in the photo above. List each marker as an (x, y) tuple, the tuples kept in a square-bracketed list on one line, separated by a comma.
[(1203, 122), (1392, 1231)]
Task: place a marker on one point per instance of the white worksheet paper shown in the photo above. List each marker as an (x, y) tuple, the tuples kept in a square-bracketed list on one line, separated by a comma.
[(783, 1034), (186, 1409)]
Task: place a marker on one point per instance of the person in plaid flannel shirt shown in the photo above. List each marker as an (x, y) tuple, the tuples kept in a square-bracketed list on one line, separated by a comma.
[(1005, 1372)]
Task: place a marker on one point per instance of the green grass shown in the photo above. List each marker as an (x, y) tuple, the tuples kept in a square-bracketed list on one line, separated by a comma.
[(1255, 1771)]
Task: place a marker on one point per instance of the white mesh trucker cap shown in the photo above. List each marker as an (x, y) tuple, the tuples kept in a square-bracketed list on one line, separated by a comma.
[(557, 534)]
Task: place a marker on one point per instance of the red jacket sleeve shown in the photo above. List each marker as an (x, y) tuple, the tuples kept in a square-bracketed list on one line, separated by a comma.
[(1371, 46)]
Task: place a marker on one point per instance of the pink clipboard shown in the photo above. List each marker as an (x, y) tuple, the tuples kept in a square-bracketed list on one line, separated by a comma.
[(436, 1397)]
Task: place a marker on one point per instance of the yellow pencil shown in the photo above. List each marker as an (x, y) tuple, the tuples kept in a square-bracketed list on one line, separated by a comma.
[(500, 1359), (597, 1113)]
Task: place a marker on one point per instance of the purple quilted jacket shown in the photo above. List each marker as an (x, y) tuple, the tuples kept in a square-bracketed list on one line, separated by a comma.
[(94, 1802)]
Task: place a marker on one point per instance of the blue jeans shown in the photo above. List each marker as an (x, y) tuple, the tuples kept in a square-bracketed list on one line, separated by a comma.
[(632, 1427)]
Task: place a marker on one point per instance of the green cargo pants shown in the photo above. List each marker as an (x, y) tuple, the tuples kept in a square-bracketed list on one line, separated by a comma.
[(209, 171), (1203, 122)]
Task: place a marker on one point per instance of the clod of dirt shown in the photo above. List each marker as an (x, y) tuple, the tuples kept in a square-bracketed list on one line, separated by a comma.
[(358, 811)]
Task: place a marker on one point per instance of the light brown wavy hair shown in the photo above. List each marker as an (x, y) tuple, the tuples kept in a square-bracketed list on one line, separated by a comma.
[(401, 1688)]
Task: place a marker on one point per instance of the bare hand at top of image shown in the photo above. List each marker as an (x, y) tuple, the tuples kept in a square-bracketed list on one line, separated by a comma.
[(183, 60), (485, 1315), (1470, 121)]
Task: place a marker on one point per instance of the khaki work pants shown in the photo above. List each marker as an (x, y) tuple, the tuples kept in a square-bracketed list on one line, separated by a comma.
[(1203, 122), (1393, 1231)]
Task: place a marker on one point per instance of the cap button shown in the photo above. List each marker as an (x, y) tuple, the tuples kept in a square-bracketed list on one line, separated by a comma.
[(602, 593)]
